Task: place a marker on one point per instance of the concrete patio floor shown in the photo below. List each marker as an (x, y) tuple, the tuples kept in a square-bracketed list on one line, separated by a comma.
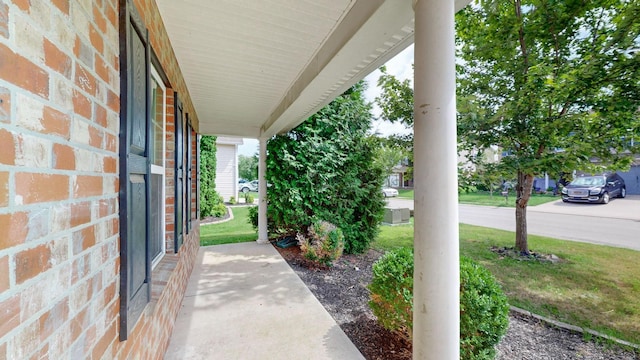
[(243, 301)]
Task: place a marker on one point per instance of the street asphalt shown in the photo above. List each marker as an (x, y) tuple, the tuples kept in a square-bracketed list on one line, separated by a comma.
[(615, 224)]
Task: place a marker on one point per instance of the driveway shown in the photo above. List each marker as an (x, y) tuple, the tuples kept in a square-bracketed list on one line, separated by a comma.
[(627, 208), (615, 224)]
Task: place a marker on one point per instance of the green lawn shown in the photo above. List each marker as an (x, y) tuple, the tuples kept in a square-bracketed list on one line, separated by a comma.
[(233, 231), (405, 193), (484, 198), (596, 286)]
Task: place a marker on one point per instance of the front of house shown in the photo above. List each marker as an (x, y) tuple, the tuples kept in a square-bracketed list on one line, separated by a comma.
[(102, 103)]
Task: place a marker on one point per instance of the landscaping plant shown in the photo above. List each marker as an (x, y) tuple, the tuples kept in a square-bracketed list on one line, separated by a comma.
[(211, 204), (484, 312), (323, 243), (325, 168)]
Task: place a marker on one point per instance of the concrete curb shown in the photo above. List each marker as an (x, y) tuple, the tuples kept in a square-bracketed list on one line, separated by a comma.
[(572, 328), (222, 221)]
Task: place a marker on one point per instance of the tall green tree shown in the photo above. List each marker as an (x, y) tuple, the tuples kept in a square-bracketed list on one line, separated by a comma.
[(248, 167), (388, 155), (325, 169), (553, 83), (209, 198)]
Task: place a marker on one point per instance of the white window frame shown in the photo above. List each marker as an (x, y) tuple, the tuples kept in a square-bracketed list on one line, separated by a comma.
[(160, 170)]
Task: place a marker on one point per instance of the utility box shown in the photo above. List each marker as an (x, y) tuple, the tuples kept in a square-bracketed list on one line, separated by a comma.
[(396, 216)]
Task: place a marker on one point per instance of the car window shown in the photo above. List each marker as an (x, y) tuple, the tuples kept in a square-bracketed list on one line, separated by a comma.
[(588, 181)]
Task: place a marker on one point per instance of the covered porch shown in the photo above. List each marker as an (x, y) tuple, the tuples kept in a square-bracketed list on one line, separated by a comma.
[(256, 69)]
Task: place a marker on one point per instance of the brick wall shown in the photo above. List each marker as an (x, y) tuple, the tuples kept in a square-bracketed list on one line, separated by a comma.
[(59, 243)]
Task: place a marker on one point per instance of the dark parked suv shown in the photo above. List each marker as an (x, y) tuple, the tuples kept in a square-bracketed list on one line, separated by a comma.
[(594, 189)]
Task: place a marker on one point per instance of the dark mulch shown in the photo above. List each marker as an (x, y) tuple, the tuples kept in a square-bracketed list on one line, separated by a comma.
[(342, 290)]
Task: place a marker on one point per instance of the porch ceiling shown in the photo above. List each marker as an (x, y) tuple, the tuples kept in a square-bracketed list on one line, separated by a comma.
[(258, 68)]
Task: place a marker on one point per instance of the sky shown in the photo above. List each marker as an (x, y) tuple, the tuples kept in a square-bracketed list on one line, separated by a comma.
[(399, 66)]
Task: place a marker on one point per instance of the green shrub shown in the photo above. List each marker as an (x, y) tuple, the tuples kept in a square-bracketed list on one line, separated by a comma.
[(392, 290), (248, 198), (323, 243), (219, 210), (232, 200), (484, 312), (253, 217)]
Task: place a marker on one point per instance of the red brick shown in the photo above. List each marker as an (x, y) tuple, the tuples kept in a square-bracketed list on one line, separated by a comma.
[(4, 20), (64, 157), (19, 71), (101, 116), (57, 59), (7, 148), (113, 101), (4, 274), (81, 267), (80, 214), (34, 188), (42, 353), (31, 262), (111, 142), (3, 352), (63, 5), (100, 20), (55, 122), (4, 188), (24, 5), (102, 69), (109, 166), (81, 104), (85, 186), (78, 324), (10, 315), (95, 137), (5, 105), (111, 16), (83, 239), (13, 229), (84, 80), (96, 39), (54, 319)]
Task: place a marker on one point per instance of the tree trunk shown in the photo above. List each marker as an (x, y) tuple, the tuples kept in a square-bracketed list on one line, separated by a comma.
[(523, 193)]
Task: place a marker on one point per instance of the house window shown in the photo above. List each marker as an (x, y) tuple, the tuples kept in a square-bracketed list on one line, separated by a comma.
[(157, 155)]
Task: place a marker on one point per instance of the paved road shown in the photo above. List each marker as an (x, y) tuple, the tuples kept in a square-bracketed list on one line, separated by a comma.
[(619, 232)]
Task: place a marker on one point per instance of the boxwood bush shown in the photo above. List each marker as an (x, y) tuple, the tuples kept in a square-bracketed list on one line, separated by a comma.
[(484, 312)]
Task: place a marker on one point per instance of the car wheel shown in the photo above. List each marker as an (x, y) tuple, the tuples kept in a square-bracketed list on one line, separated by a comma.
[(605, 198), (623, 192), (565, 200), (245, 190)]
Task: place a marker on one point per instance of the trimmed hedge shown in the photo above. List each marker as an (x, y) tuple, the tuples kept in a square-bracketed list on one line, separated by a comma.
[(484, 312)]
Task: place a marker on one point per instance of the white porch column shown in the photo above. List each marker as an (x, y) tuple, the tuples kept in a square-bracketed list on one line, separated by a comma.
[(263, 237), (436, 301), (546, 182)]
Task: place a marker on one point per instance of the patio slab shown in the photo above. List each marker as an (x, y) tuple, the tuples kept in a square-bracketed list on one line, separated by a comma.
[(243, 301)]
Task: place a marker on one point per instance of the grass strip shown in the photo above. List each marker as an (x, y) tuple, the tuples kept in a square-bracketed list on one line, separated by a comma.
[(233, 231), (594, 286)]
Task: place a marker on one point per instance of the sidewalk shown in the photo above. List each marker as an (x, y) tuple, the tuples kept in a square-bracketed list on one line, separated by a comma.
[(243, 301)]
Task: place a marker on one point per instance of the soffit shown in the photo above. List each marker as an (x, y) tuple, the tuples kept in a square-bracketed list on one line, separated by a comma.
[(255, 68)]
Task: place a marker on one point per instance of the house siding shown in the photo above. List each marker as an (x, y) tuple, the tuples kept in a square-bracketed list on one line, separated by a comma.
[(59, 223), (226, 170)]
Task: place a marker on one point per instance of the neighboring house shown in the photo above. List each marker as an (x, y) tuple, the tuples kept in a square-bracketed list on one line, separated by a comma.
[(398, 178), (227, 166), (632, 178), (101, 107)]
